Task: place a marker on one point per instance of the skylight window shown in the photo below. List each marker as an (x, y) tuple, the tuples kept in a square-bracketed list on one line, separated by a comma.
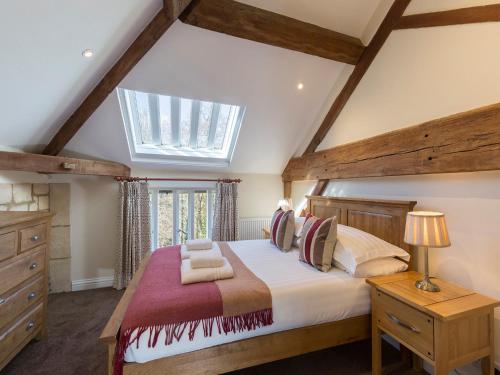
[(179, 131)]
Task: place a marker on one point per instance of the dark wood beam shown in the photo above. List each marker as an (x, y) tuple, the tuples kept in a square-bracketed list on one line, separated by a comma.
[(248, 22), (320, 187), (287, 189), (486, 13), (146, 39), (383, 32), (17, 161), (465, 142)]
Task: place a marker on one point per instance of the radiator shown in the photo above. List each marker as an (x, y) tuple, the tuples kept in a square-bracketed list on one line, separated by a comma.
[(251, 228)]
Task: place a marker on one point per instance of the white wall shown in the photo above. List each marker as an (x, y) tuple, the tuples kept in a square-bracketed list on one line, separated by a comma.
[(421, 75)]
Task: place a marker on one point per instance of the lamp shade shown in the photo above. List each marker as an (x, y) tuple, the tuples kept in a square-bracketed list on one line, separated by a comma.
[(425, 228)]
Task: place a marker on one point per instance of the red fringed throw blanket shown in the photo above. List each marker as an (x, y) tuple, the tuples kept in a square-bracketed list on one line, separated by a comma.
[(162, 303)]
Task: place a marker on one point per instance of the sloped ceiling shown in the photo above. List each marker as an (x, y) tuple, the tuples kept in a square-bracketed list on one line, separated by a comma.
[(44, 76)]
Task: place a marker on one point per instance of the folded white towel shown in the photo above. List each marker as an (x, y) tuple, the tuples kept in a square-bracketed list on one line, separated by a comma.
[(199, 275), (200, 244), (206, 259), (186, 254)]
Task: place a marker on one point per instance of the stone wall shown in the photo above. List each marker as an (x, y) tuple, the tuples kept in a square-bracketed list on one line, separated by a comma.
[(45, 197)]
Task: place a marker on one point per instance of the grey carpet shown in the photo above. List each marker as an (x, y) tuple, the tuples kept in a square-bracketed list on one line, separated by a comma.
[(76, 319)]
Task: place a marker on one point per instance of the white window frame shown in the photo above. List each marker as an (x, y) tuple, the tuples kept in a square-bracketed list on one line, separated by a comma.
[(171, 155), (176, 189)]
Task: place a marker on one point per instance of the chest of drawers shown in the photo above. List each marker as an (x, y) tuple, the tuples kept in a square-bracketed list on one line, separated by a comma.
[(24, 254)]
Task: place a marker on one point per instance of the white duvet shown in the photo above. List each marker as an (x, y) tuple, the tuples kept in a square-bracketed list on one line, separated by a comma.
[(302, 296)]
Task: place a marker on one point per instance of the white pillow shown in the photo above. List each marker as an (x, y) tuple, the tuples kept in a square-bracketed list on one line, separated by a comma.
[(299, 224), (380, 267), (355, 247)]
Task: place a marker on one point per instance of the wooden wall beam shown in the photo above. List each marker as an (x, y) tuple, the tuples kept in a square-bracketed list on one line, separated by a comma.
[(485, 13), (320, 187), (287, 189), (465, 142), (17, 161), (248, 22), (383, 32), (146, 39)]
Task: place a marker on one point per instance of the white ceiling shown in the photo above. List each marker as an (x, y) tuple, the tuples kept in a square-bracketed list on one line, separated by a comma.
[(44, 76)]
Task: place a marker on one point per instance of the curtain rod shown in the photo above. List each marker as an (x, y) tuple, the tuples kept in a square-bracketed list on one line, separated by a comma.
[(227, 180)]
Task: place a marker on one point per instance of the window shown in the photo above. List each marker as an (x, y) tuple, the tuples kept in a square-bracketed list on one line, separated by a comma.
[(180, 214), (179, 131)]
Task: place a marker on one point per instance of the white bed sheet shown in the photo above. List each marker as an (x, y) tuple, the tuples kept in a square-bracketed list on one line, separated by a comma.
[(302, 296)]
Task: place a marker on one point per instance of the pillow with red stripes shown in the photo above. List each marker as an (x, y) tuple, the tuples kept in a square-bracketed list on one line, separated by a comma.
[(282, 229), (317, 242)]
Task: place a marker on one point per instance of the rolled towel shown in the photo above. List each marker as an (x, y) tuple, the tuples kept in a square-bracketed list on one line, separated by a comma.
[(200, 275), (186, 254), (208, 259), (200, 244)]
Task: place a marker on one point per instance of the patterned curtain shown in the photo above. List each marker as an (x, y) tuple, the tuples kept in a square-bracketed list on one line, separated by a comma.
[(135, 230), (226, 216)]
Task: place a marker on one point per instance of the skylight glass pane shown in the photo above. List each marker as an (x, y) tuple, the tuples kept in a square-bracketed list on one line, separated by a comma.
[(185, 122), (165, 120), (222, 123), (204, 123), (143, 117)]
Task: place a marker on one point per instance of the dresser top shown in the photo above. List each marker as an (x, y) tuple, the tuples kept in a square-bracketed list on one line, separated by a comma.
[(451, 302), (19, 217)]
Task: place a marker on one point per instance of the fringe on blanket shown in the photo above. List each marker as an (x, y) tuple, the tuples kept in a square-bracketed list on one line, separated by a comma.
[(239, 323)]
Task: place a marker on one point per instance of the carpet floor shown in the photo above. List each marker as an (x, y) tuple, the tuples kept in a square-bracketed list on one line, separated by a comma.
[(76, 319)]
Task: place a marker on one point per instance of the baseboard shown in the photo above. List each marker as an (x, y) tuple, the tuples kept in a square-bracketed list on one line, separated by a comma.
[(95, 283)]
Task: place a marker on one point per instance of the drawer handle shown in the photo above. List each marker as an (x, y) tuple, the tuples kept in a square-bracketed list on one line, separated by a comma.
[(2, 301), (396, 320), (30, 325), (31, 296), (35, 238), (33, 265)]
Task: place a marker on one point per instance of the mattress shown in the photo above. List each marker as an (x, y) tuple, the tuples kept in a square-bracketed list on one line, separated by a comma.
[(302, 296)]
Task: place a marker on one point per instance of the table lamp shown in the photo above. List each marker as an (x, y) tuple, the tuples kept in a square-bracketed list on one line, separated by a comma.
[(426, 229)]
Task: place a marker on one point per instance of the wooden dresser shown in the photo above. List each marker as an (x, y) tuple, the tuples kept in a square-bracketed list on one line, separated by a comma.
[(24, 254)]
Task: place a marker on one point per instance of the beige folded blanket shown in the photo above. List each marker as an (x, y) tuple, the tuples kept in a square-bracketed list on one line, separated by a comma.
[(186, 254), (200, 244), (206, 259), (199, 275)]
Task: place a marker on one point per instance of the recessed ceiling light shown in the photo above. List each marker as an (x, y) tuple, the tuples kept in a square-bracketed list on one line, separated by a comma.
[(88, 53), (300, 86)]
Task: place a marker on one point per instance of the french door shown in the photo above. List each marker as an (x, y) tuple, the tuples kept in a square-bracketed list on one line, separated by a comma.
[(181, 214)]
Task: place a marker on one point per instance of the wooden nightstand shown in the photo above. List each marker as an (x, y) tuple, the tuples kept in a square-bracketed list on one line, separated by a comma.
[(448, 329), (267, 233)]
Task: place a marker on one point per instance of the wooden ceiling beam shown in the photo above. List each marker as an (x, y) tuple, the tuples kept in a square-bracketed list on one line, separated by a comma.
[(135, 52), (248, 22), (17, 161), (485, 13), (465, 142), (383, 32)]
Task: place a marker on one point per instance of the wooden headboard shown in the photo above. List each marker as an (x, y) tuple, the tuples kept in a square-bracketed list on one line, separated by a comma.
[(385, 219)]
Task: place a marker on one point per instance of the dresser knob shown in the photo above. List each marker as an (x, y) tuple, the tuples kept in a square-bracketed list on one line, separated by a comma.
[(31, 296), (35, 238), (33, 265), (2, 301), (30, 325)]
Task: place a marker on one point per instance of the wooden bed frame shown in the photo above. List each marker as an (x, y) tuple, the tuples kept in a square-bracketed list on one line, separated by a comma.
[(383, 218)]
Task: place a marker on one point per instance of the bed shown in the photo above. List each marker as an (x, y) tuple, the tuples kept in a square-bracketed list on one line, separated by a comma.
[(321, 325)]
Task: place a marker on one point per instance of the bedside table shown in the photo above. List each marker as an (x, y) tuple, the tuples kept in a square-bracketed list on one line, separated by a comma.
[(448, 329), (267, 233)]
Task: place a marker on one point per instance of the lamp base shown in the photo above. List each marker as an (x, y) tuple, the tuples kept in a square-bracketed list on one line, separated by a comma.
[(427, 285)]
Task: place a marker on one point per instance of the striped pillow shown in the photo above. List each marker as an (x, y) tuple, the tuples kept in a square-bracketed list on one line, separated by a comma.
[(317, 242), (282, 229)]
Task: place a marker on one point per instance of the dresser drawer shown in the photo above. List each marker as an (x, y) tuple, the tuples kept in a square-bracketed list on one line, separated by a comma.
[(22, 329), (14, 303), (405, 323), (13, 272), (8, 245), (32, 236)]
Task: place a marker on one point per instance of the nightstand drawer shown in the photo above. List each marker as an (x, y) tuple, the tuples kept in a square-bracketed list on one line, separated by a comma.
[(407, 324)]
